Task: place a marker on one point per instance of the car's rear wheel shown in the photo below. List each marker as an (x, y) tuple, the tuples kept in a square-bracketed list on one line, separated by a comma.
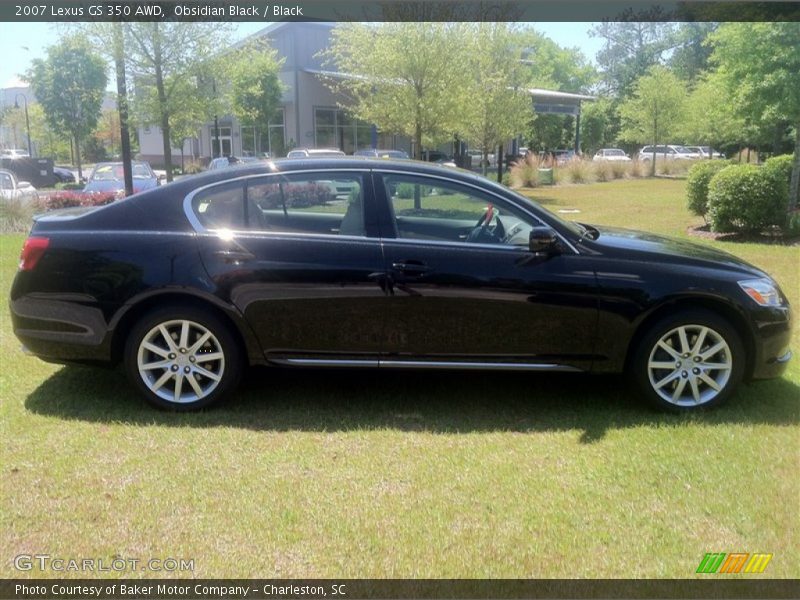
[(691, 360), (182, 358)]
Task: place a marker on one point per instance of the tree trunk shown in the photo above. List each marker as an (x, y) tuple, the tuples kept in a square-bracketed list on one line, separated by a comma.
[(78, 157), (162, 103), (794, 182), (122, 108)]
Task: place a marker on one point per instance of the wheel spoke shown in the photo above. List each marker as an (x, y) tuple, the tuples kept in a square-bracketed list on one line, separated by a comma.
[(156, 349), (160, 364), (676, 395), (184, 339), (206, 373), (709, 382), (684, 340), (198, 344), (210, 356), (668, 349), (713, 350), (715, 366), (695, 390), (178, 386), (165, 334), (165, 377), (661, 365), (195, 386), (701, 337), (667, 379)]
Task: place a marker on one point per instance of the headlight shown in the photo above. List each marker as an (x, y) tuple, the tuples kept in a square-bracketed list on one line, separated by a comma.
[(763, 291)]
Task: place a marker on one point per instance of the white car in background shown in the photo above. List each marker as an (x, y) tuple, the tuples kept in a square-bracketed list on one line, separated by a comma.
[(705, 152), (13, 189), (611, 155), (13, 153), (315, 153), (669, 152)]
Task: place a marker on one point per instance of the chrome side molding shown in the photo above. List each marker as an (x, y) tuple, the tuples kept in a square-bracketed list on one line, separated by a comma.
[(423, 364)]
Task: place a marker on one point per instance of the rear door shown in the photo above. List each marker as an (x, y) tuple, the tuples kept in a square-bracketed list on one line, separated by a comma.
[(300, 257)]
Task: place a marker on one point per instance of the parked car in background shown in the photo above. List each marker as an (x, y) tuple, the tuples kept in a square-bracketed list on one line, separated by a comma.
[(64, 175), (223, 162), (435, 155), (13, 189), (611, 155), (563, 156), (13, 153), (477, 158), (705, 152), (668, 152), (315, 153), (110, 177), (375, 153), (418, 267)]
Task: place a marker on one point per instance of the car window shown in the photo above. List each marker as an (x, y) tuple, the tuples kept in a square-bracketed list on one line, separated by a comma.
[(6, 183), (324, 203), (221, 207), (431, 209)]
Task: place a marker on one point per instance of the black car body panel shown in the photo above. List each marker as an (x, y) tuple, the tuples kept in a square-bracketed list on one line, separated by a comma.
[(313, 292)]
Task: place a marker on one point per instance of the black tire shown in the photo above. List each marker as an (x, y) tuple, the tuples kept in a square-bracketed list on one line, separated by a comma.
[(208, 362), (676, 375)]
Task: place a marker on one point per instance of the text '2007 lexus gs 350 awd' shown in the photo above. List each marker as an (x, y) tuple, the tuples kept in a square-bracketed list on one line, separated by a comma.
[(390, 264)]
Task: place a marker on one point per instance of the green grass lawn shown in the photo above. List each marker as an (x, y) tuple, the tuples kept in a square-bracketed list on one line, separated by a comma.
[(391, 474)]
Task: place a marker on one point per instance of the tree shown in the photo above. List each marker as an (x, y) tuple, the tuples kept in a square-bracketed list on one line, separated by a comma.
[(255, 88), (710, 116), (760, 66), (630, 50), (599, 125), (70, 84), (689, 60), (405, 77), (165, 59), (108, 132), (500, 105), (654, 108)]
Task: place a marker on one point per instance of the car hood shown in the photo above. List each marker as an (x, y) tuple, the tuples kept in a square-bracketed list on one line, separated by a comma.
[(639, 245), (114, 185)]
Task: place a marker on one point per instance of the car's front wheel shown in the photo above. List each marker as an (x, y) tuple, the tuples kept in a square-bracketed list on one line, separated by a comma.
[(182, 358), (690, 360)]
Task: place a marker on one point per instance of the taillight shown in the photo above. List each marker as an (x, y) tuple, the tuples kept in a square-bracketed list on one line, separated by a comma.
[(32, 251)]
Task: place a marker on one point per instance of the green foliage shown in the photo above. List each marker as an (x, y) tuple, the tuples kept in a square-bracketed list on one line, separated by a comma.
[(654, 109), (630, 50), (93, 150), (700, 175), (781, 167), (575, 171), (411, 77), (255, 89), (599, 125), (405, 190), (760, 65), (746, 198), (499, 107), (70, 84)]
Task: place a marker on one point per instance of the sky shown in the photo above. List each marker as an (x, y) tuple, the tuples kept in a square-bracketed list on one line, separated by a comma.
[(20, 43)]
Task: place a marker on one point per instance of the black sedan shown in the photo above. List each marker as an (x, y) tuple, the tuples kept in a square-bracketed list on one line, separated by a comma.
[(373, 263)]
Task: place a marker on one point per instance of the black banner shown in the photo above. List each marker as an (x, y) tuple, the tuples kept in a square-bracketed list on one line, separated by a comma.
[(398, 10), (379, 589)]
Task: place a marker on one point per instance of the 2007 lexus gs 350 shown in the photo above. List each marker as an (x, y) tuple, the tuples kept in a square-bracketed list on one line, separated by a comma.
[(373, 263)]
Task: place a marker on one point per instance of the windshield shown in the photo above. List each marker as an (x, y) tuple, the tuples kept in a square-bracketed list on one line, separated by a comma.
[(115, 172), (615, 153)]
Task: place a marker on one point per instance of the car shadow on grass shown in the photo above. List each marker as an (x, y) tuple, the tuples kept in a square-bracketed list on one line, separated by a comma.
[(437, 402)]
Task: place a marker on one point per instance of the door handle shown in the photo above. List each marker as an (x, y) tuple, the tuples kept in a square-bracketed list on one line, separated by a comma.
[(232, 256), (411, 267)]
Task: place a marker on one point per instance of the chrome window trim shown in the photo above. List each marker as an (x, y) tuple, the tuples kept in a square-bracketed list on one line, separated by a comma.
[(485, 191), (199, 228)]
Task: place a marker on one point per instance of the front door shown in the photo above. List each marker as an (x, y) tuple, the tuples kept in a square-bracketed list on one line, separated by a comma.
[(464, 287)]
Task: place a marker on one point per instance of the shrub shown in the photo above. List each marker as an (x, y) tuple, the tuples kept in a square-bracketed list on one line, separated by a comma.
[(781, 167), (525, 172), (603, 171), (575, 171), (16, 215), (69, 186), (700, 176), (70, 199), (405, 190), (746, 198), (620, 170)]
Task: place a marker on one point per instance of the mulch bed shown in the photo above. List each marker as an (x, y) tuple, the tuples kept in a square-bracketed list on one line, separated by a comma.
[(704, 231)]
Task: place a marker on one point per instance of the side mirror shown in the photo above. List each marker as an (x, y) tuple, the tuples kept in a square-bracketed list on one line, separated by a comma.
[(543, 239)]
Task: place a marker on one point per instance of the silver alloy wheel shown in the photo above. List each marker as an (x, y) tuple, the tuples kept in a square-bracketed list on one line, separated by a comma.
[(180, 361), (690, 365)]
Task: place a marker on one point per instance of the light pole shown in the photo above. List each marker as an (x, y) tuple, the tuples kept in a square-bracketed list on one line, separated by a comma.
[(27, 120)]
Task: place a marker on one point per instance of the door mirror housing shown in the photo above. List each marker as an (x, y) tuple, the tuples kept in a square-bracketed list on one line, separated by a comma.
[(543, 239)]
